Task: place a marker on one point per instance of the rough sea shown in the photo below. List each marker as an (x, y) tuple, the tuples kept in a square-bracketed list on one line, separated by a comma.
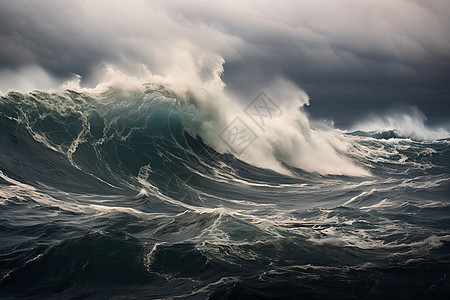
[(139, 194)]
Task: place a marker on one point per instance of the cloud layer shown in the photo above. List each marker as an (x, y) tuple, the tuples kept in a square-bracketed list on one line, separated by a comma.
[(344, 53)]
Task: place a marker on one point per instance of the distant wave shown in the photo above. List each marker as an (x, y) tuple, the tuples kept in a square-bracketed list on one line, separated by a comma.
[(408, 124)]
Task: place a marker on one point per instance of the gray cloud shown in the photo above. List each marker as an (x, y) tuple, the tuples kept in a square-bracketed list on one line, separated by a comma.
[(344, 53)]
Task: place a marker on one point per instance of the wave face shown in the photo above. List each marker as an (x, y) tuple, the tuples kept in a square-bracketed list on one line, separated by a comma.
[(131, 194)]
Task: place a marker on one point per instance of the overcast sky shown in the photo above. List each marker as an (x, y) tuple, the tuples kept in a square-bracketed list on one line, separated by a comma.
[(350, 56)]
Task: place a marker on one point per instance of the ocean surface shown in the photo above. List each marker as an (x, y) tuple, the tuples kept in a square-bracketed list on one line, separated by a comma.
[(126, 195)]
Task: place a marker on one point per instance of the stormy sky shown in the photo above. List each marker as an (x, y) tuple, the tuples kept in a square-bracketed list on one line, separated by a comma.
[(350, 56)]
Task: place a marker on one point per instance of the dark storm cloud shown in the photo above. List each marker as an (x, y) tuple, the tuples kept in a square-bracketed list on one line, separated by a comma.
[(48, 34), (66, 37), (340, 51)]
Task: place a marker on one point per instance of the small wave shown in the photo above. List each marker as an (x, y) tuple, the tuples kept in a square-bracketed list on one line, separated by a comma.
[(409, 124)]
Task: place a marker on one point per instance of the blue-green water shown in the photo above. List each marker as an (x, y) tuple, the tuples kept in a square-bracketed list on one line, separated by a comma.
[(109, 196)]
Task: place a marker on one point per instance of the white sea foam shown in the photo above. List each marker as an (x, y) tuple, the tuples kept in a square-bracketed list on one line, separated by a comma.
[(285, 139), (194, 77)]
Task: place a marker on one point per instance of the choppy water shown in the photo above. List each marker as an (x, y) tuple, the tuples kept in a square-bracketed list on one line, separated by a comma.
[(109, 196)]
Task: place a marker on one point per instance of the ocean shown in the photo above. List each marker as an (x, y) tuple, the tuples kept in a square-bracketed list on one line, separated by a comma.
[(142, 194)]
